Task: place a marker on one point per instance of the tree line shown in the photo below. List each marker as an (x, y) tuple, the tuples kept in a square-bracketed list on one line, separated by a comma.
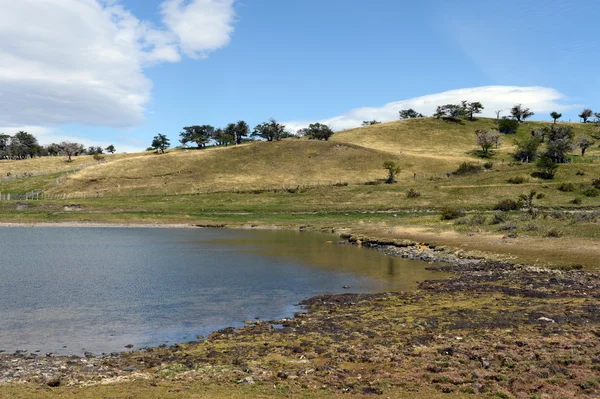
[(23, 145), (238, 133)]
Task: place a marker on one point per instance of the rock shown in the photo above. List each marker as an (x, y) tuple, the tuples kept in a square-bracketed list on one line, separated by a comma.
[(547, 320), (485, 364), (346, 287), (447, 351), (372, 391), (53, 382), (129, 346), (130, 368), (282, 374), (246, 380)]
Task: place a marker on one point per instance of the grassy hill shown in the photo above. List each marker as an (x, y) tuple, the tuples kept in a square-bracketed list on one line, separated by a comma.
[(252, 166)]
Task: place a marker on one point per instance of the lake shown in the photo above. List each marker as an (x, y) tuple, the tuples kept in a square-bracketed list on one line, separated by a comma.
[(70, 290)]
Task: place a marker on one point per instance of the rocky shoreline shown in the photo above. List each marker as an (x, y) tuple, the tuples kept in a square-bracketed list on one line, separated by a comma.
[(492, 328)]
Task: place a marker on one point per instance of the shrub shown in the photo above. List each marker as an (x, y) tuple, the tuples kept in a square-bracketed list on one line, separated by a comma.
[(98, 157), (508, 126), (498, 218), (531, 227), (488, 165), (509, 226), (567, 187), (580, 173), (540, 196), (412, 193), (553, 233), (576, 201), (516, 180), (589, 217), (393, 169), (507, 205), (478, 219), (450, 213), (596, 183), (590, 192), (558, 215), (546, 168), (466, 168), (462, 221)]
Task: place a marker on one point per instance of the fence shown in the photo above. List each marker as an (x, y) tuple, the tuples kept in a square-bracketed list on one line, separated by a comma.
[(12, 176)]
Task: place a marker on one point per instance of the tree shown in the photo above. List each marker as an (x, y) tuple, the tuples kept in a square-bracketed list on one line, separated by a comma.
[(241, 130), (486, 139), (71, 149), (559, 143), (410, 114), (586, 114), (439, 112), (527, 149), (392, 170), (316, 131), (546, 167), (4, 143), (111, 149), (24, 145), (199, 135), (222, 137), (508, 126), (597, 116), (94, 150), (269, 131), (370, 123), (520, 113), (555, 116), (160, 143), (454, 111), (498, 112), (584, 143), (474, 108)]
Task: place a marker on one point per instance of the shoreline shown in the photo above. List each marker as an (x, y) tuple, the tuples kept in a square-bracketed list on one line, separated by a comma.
[(477, 332)]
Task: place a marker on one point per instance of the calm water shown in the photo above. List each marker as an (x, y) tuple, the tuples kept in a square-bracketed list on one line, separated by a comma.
[(69, 290)]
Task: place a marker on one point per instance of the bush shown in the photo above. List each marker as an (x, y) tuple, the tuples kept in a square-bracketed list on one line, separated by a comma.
[(478, 219), (553, 233), (450, 213), (498, 218), (488, 165), (466, 168), (576, 201), (540, 196), (462, 221), (508, 126), (567, 187), (507, 205), (517, 180), (546, 168), (509, 226), (590, 192), (412, 193), (596, 183), (98, 157), (531, 227), (580, 173)]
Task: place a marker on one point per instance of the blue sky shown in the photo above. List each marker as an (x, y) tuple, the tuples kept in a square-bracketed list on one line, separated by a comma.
[(180, 62)]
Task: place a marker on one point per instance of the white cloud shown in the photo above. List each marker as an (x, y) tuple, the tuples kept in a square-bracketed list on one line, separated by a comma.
[(82, 61), (539, 99)]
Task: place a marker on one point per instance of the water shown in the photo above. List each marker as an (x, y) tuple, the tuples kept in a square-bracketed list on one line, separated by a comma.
[(70, 290)]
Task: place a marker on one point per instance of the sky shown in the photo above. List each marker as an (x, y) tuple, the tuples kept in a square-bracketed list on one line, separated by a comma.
[(118, 72)]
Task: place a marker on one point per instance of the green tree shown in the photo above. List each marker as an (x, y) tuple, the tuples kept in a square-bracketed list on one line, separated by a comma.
[(393, 169), (508, 126), (439, 112), (527, 149), (199, 135), (316, 131), (238, 131), (546, 167), (586, 114), (584, 143), (555, 116), (270, 131), (410, 114), (370, 123), (223, 137), (474, 108), (111, 148), (24, 145), (160, 143), (520, 113), (4, 143)]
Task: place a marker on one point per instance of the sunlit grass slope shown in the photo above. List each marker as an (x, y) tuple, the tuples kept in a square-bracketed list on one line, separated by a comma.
[(252, 166)]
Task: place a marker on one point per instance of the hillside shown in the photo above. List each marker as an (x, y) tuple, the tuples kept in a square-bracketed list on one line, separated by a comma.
[(252, 166)]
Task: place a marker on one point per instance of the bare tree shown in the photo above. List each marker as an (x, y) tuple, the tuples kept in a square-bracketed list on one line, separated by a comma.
[(71, 149)]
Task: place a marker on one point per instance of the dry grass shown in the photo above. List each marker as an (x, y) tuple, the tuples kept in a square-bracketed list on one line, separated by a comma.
[(256, 165)]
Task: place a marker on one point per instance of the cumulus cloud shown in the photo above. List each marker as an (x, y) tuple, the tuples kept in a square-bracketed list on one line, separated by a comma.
[(82, 61), (494, 98)]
